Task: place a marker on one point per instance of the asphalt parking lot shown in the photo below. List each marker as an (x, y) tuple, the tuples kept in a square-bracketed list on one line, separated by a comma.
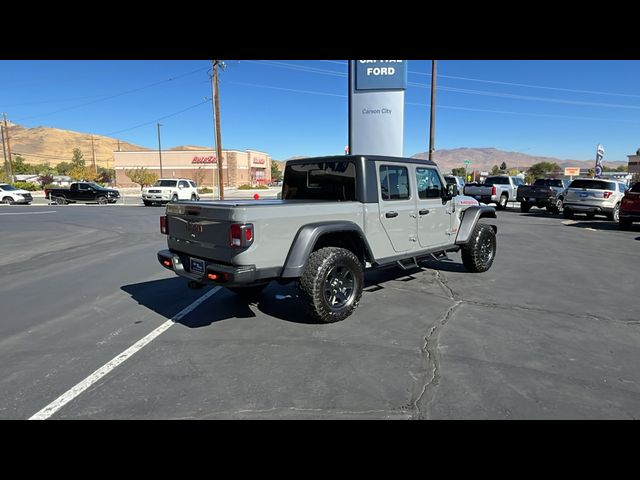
[(552, 331)]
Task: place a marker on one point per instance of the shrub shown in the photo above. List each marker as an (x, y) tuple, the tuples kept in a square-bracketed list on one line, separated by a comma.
[(250, 187), (30, 187), (205, 190)]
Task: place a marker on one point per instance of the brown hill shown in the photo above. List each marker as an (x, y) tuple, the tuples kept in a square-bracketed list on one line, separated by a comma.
[(190, 147), (486, 158), (53, 145)]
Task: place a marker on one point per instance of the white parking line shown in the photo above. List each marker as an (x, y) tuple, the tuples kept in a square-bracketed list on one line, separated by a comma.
[(28, 213), (69, 395)]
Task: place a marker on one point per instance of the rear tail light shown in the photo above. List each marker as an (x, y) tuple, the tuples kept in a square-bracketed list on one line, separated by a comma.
[(607, 194), (494, 190), (164, 226), (240, 235)]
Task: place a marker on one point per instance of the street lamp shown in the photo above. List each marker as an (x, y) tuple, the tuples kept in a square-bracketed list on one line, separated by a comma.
[(160, 149)]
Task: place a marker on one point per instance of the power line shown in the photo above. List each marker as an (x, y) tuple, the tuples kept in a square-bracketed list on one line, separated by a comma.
[(113, 96)]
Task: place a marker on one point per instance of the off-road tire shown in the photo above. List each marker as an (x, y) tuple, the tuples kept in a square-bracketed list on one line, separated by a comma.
[(624, 224), (250, 294), (194, 198), (320, 284), (525, 207), (479, 253)]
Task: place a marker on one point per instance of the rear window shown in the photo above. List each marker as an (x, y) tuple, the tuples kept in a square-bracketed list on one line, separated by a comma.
[(549, 182), (497, 181), (331, 180), (636, 188), (593, 184)]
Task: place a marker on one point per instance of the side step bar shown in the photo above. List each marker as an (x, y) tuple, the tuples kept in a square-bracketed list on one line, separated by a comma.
[(408, 264)]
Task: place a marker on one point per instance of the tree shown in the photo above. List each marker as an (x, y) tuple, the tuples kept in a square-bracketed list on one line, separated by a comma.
[(495, 170), (198, 176), (20, 167), (141, 176), (86, 174), (45, 179), (78, 158), (458, 172), (503, 166), (622, 168), (540, 170), (591, 172), (276, 174), (63, 168), (106, 175)]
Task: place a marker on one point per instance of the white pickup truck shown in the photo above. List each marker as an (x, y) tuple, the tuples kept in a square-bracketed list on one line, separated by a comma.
[(168, 190), (499, 189)]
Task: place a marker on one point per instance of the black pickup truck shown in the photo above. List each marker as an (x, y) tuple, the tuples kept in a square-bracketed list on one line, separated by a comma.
[(85, 192), (544, 193)]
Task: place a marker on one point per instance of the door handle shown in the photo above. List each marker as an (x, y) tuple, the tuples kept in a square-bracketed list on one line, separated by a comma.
[(391, 214), (423, 212)]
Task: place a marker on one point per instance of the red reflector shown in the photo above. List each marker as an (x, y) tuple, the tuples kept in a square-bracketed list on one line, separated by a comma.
[(163, 225), (166, 263), (248, 234), (494, 190), (212, 276)]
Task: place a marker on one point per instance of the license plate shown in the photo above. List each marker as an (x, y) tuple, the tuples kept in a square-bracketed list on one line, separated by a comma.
[(532, 200), (584, 195), (197, 266), (478, 197)]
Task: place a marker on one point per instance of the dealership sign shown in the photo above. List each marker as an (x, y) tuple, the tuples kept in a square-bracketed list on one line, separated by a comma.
[(572, 171), (209, 159), (376, 106)]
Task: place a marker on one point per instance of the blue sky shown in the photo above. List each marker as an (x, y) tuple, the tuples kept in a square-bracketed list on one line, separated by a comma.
[(289, 107)]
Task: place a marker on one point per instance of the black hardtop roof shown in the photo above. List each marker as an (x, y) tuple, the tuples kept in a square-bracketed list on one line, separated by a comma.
[(342, 158)]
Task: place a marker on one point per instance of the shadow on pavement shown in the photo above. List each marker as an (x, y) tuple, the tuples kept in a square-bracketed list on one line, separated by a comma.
[(169, 296), (595, 225)]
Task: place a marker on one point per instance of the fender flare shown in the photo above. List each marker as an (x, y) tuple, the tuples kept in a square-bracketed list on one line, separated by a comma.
[(470, 219), (306, 239)]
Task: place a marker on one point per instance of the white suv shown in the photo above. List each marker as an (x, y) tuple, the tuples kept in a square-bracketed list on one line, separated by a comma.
[(594, 196), (168, 190), (12, 195)]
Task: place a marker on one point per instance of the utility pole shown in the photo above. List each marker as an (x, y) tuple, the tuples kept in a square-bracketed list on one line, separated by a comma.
[(216, 97), (432, 125), (8, 142), (118, 144), (5, 165), (93, 154), (160, 149)]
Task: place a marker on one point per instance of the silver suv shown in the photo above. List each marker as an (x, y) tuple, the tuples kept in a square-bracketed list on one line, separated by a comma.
[(594, 196)]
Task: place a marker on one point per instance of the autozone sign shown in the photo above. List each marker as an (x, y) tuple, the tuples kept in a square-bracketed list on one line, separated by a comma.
[(209, 159), (258, 160)]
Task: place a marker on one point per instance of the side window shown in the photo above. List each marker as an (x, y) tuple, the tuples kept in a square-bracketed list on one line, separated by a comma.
[(183, 184), (193, 184), (429, 185), (394, 182), (83, 186)]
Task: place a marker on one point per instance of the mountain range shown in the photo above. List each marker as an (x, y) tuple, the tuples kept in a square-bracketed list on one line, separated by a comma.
[(53, 145)]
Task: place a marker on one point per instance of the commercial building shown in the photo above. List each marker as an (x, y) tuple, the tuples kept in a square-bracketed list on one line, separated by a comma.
[(238, 168), (634, 163)]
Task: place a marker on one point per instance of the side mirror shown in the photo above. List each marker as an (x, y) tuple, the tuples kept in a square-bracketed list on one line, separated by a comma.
[(180, 187), (449, 192)]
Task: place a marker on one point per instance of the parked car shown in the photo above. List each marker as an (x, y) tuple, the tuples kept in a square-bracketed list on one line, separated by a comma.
[(12, 195), (457, 181), (338, 216), (168, 190), (630, 207), (544, 193), (594, 196), (499, 189), (86, 192)]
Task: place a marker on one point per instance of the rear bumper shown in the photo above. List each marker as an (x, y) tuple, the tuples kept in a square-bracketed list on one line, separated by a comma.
[(634, 216), (227, 275), (580, 208)]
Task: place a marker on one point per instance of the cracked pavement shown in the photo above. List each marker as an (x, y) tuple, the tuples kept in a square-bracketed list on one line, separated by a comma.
[(551, 331)]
